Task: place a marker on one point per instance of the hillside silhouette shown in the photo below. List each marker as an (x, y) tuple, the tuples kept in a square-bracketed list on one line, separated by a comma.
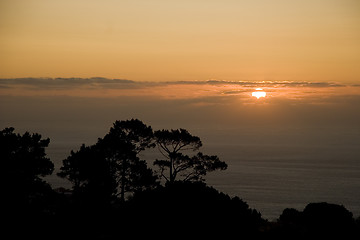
[(115, 195)]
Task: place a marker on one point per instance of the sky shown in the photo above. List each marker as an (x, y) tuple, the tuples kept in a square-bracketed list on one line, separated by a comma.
[(161, 40)]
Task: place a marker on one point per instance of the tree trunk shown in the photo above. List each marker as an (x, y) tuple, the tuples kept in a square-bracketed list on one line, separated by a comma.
[(122, 193), (171, 171)]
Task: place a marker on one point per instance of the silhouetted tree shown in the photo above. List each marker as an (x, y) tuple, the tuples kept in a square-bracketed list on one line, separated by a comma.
[(327, 219), (174, 145), (134, 132), (121, 145), (24, 163), (115, 156), (92, 176)]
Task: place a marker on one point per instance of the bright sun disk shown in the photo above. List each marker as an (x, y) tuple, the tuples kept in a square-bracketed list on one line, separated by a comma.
[(259, 93)]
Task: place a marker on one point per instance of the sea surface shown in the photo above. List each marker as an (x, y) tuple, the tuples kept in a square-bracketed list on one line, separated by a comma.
[(270, 170), (300, 145)]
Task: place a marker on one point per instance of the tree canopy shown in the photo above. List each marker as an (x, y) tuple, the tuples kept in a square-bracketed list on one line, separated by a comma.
[(24, 155), (175, 146), (24, 163), (113, 162)]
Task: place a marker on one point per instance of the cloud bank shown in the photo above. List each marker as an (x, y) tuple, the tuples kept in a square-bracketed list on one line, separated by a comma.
[(198, 93), (64, 83), (100, 82)]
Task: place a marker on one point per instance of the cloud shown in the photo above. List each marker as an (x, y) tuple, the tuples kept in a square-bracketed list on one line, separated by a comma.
[(263, 83), (100, 87), (234, 92), (63, 83), (125, 83)]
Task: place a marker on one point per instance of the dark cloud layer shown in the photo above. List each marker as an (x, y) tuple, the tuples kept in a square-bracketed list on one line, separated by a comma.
[(99, 82), (63, 83), (263, 83)]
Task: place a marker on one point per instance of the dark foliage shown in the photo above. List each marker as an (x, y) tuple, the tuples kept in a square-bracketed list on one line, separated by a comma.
[(175, 145), (91, 175), (177, 210), (111, 168), (25, 196), (184, 209), (328, 219), (133, 131), (23, 163), (316, 221)]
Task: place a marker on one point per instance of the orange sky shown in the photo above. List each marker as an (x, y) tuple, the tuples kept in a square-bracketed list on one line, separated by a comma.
[(160, 40)]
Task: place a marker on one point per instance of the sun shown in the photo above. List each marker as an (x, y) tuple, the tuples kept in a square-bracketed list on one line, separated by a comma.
[(259, 93)]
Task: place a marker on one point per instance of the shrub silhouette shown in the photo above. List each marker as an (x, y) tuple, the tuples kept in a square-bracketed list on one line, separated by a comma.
[(328, 219), (193, 209), (291, 216), (317, 220)]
